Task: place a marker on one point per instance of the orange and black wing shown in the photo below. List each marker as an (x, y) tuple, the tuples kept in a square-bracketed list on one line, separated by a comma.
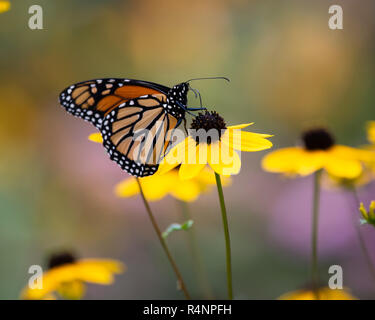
[(137, 133), (94, 99)]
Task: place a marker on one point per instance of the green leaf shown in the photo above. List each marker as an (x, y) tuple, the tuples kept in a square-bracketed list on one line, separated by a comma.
[(177, 227)]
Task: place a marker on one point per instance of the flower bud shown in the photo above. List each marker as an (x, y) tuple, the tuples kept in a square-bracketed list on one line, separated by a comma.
[(368, 215)]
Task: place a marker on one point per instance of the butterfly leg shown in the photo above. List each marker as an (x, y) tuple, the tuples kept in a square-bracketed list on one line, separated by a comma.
[(189, 109), (197, 93), (186, 131), (196, 109)]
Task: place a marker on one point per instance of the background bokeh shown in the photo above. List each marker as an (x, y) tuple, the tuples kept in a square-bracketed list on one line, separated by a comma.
[(288, 72)]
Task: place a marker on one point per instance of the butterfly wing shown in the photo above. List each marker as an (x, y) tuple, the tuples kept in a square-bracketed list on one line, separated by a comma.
[(137, 133), (94, 99)]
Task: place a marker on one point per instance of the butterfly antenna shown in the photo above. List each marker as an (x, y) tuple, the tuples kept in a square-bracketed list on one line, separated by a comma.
[(208, 78)]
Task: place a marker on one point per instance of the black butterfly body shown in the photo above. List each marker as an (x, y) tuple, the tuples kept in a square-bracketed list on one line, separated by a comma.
[(126, 111)]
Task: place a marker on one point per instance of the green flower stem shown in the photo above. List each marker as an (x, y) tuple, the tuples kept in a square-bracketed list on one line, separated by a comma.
[(314, 235), (362, 242), (226, 234), (199, 269), (364, 249), (163, 243)]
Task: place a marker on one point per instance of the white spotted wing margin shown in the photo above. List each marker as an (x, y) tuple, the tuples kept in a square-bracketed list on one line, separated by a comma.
[(92, 100)]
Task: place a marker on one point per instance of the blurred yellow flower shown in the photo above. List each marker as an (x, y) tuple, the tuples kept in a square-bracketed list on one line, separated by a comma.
[(159, 185), (367, 174), (219, 153), (166, 182), (333, 182), (96, 137), (4, 6), (371, 132), (325, 293), (371, 138), (319, 152), (67, 277)]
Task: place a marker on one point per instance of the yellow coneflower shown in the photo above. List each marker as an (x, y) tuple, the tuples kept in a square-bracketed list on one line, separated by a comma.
[(211, 142), (214, 144), (318, 152), (218, 150), (324, 293), (67, 276), (368, 159), (351, 184)]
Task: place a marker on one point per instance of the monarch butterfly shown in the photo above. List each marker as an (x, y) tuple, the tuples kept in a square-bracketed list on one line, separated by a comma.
[(125, 111)]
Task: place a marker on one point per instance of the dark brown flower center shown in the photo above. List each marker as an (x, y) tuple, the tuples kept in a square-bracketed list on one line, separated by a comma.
[(207, 127), (318, 139), (59, 259)]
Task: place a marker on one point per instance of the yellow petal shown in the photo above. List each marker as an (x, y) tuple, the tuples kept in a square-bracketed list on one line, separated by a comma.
[(127, 188), (224, 161), (226, 180), (165, 167), (196, 153), (240, 126), (188, 171), (175, 156), (157, 187), (342, 168), (187, 190), (109, 264), (96, 137), (97, 270), (246, 141), (154, 187), (371, 132), (294, 160), (207, 178), (4, 6), (324, 294), (49, 296), (91, 270), (346, 152), (73, 290), (50, 282)]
